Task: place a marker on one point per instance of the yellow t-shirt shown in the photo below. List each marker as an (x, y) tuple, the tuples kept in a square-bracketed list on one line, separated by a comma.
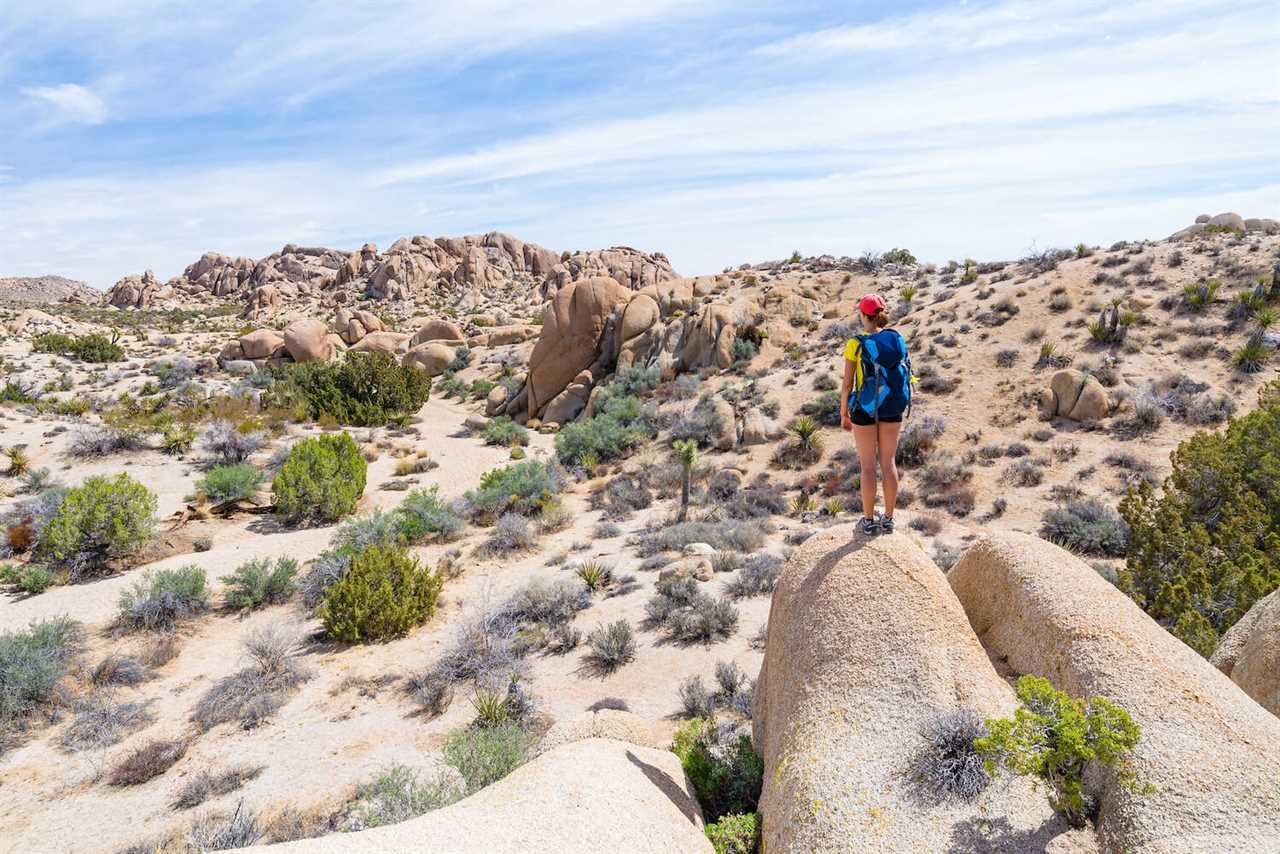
[(853, 353)]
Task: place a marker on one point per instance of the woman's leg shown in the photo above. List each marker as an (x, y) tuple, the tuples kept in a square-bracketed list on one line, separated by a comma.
[(888, 441), (865, 437)]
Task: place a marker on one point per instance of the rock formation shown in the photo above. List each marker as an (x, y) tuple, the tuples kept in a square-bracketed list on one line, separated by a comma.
[(1075, 395), (866, 646), (583, 797), (1232, 221), (1249, 652), (47, 289), (1209, 750)]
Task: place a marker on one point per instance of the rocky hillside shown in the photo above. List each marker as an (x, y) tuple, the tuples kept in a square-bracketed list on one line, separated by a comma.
[(47, 289), (418, 270)]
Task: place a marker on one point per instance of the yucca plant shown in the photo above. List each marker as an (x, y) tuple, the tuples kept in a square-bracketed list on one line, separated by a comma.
[(1047, 350), (177, 440), (1200, 294), (908, 292), (19, 460), (1253, 356), (834, 506), (491, 708), (589, 460), (1264, 318), (686, 454), (805, 429), (595, 575), (802, 503)]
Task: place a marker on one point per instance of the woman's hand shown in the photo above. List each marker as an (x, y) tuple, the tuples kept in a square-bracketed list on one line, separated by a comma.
[(846, 424)]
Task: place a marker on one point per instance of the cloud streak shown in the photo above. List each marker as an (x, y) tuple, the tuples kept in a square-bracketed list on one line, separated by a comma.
[(70, 102)]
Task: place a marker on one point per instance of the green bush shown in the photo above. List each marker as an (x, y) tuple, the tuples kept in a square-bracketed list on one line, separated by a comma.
[(160, 600), (423, 513), (898, 256), (1205, 550), (505, 432), (384, 594), (33, 578), (225, 483), (261, 582), (397, 794), (726, 773), (102, 519), (87, 348), (524, 487), (32, 662), (52, 342), (485, 755), (1088, 527), (321, 479), (735, 834), (365, 389), (621, 422), (1054, 736)]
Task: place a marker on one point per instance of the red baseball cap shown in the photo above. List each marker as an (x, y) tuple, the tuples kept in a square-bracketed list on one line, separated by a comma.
[(871, 305)]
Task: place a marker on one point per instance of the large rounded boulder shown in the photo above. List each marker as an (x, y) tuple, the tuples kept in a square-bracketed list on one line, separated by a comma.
[(436, 330), (572, 328), (1075, 395), (1249, 653), (261, 344), (867, 647), (583, 797), (432, 358), (1207, 749), (382, 342), (307, 340)]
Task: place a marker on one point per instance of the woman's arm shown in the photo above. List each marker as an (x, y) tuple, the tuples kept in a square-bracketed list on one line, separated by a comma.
[(845, 388)]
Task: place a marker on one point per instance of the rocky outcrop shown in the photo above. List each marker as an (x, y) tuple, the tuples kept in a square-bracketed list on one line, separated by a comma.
[(1075, 395), (261, 344), (1249, 653), (33, 322), (46, 289), (866, 647), (382, 342), (307, 340), (583, 797), (138, 291), (352, 325), (1207, 748), (572, 337), (604, 723), (1231, 221)]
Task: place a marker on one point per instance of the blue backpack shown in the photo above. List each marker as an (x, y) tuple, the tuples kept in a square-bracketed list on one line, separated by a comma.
[(886, 376)]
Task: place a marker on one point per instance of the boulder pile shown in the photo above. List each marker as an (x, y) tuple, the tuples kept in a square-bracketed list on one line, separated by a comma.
[(1075, 395), (1229, 221)]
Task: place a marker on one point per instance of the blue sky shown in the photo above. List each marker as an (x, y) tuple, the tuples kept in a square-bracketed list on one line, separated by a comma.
[(138, 135)]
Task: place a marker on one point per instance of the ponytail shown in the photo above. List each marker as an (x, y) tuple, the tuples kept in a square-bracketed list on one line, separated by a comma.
[(880, 319)]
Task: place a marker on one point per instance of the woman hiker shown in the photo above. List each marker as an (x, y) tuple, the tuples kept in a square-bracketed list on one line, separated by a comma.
[(875, 396)]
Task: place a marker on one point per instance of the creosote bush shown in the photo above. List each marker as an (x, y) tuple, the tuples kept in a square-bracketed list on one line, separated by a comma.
[(1054, 736), (384, 594), (321, 479), (364, 390), (101, 520)]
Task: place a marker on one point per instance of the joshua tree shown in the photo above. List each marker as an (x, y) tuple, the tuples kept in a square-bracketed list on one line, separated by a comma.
[(687, 453)]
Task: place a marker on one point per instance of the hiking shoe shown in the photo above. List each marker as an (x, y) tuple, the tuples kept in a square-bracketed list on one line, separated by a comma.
[(868, 526), (886, 524)]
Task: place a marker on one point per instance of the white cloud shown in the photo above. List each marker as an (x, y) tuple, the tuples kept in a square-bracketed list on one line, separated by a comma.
[(71, 102)]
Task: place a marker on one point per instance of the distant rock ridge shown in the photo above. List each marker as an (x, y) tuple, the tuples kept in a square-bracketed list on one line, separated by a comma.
[(47, 289), (411, 269)]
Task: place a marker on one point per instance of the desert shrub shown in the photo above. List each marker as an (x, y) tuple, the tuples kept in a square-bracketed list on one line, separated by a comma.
[(94, 442), (1054, 737), (505, 432), (32, 663), (423, 513), (253, 694), (101, 520), (224, 832), (757, 576), (918, 438), (612, 645), (510, 533), (100, 722), (725, 772), (52, 342), (738, 833), (118, 670), (825, 408), (485, 755), (204, 785), (635, 379), (621, 422), (147, 762), (396, 794), (624, 494), (898, 256), (1025, 473), (729, 535), (700, 424), (524, 488), (160, 600), (695, 700), (87, 348), (1088, 527), (228, 483), (177, 439), (948, 766), (365, 389), (261, 582), (742, 350), (688, 614), (227, 444), (321, 480), (1202, 552), (384, 594), (31, 578)]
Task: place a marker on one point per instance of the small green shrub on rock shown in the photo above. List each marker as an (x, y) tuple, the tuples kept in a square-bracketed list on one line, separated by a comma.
[(726, 774), (1054, 736), (102, 519), (384, 594), (321, 479)]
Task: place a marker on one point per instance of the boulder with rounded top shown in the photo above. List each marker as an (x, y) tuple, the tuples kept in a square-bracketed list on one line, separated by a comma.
[(571, 336), (261, 344), (437, 330), (1207, 750), (307, 340), (382, 342), (1249, 653), (432, 357), (1075, 395)]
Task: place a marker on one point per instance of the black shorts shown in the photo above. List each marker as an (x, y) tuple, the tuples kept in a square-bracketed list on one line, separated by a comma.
[(861, 419)]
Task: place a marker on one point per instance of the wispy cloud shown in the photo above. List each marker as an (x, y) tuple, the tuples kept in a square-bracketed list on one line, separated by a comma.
[(70, 102)]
